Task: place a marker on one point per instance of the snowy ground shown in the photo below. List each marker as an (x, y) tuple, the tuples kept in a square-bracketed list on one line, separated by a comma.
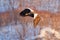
[(28, 32), (18, 32)]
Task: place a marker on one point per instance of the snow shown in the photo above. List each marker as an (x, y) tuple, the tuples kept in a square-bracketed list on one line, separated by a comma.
[(15, 32)]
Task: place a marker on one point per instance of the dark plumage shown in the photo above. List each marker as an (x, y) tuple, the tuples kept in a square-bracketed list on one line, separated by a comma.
[(31, 15), (25, 11), (28, 12)]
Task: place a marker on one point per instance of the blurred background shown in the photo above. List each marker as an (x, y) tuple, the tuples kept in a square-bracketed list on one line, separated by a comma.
[(12, 25)]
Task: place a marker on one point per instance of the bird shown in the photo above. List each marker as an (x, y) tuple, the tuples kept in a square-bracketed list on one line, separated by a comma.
[(49, 22), (29, 12)]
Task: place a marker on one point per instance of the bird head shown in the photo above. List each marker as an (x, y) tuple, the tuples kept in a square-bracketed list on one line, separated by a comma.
[(31, 13)]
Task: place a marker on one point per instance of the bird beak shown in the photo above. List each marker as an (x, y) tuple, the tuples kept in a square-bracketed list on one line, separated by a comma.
[(36, 19)]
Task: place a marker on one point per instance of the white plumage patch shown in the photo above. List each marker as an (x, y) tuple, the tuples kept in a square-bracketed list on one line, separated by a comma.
[(35, 15), (31, 10)]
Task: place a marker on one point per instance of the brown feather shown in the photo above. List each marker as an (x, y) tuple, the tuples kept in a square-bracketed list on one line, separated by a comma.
[(36, 20)]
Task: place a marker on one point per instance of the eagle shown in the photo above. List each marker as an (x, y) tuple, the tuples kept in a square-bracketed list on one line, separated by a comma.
[(49, 22), (29, 12)]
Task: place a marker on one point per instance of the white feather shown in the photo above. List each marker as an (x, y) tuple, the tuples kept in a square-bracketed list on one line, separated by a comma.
[(31, 9), (35, 15)]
